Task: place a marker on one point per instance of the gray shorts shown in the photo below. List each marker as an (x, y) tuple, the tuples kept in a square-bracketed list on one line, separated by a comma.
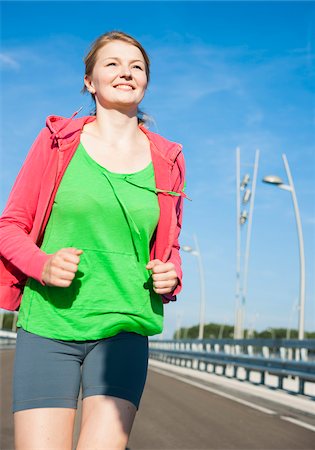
[(49, 372)]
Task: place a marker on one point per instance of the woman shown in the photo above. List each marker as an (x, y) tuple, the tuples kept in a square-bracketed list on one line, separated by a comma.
[(91, 229)]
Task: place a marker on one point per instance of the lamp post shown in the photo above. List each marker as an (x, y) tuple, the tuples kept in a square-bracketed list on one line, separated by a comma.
[(241, 218), (251, 327), (272, 332), (277, 181), (293, 309), (196, 252), (222, 326)]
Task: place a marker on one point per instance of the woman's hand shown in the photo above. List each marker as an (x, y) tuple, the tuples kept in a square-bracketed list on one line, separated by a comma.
[(164, 276), (60, 269)]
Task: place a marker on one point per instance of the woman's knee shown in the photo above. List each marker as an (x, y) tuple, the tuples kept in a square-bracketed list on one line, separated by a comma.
[(44, 428), (106, 422)]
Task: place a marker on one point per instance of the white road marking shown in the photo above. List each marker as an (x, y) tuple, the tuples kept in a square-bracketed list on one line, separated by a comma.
[(214, 391), (298, 422)]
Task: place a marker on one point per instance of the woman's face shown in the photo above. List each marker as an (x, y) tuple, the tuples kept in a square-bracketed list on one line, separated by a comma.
[(119, 76)]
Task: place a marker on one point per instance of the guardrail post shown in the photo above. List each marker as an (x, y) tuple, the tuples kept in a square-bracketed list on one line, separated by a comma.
[(301, 386), (15, 318), (237, 349), (265, 351), (290, 354), (297, 356), (304, 354), (280, 382), (227, 348), (262, 378)]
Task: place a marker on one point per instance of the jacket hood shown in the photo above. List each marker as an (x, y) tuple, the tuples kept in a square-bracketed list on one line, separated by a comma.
[(63, 128)]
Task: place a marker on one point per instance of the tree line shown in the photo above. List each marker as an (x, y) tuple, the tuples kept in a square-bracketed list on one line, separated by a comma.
[(224, 331)]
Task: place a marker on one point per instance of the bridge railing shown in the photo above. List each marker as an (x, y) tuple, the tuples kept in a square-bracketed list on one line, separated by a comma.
[(284, 348), (10, 324), (282, 358), (7, 338)]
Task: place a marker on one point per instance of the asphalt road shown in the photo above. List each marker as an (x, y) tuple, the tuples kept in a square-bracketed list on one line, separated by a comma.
[(176, 415)]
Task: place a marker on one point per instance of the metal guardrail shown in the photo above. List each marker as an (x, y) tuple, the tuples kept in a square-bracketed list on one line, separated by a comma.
[(13, 317), (8, 334), (7, 338), (283, 358), (283, 348)]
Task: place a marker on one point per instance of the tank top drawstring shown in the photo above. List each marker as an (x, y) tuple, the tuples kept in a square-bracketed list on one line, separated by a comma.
[(134, 230), (157, 190), (131, 223)]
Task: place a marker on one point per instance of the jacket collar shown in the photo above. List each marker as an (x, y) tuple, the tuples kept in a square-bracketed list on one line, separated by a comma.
[(64, 131)]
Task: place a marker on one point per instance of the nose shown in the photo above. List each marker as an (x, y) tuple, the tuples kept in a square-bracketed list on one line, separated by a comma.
[(125, 72)]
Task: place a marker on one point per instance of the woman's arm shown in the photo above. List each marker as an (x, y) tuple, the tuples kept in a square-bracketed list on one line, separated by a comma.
[(178, 182), (167, 276), (16, 222)]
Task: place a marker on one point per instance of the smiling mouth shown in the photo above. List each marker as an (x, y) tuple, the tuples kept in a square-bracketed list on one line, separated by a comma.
[(124, 87)]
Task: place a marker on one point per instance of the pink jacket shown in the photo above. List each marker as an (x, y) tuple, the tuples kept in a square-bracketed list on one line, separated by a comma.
[(26, 214)]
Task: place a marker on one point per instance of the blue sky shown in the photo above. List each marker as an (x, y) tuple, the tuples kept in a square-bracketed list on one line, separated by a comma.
[(224, 74)]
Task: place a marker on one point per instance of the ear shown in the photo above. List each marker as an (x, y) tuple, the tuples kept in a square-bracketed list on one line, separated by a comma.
[(89, 84)]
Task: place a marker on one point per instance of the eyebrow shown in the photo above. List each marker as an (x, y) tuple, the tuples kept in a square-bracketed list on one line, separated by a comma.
[(118, 59)]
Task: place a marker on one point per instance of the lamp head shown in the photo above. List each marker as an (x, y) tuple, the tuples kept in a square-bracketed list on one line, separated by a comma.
[(245, 181), (272, 179), (186, 248)]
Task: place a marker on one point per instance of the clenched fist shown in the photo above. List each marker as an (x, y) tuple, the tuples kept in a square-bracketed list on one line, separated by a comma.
[(60, 269), (164, 276)]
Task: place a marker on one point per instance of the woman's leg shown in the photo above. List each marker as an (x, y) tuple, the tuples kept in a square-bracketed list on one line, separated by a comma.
[(44, 429), (106, 423), (46, 384), (113, 378)]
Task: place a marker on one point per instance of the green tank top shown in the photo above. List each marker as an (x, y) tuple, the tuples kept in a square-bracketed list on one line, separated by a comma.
[(111, 217)]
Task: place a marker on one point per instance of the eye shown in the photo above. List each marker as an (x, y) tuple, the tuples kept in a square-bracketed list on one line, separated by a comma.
[(111, 64), (138, 67)]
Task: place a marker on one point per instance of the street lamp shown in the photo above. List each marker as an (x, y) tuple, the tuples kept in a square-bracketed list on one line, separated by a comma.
[(277, 181), (243, 217), (272, 332), (196, 252)]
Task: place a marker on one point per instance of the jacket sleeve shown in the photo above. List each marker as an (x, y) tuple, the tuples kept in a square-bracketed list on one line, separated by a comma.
[(16, 221), (178, 182)]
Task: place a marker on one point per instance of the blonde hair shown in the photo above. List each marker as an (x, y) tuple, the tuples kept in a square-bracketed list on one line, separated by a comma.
[(100, 42)]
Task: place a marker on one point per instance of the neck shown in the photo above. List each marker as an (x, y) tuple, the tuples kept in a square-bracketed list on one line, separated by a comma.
[(114, 126)]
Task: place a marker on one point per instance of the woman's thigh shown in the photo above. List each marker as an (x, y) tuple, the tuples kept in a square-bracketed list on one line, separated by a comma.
[(116, 366), (46, 372), (113, 379), (106, 423), (46, 384), (44, 429)]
